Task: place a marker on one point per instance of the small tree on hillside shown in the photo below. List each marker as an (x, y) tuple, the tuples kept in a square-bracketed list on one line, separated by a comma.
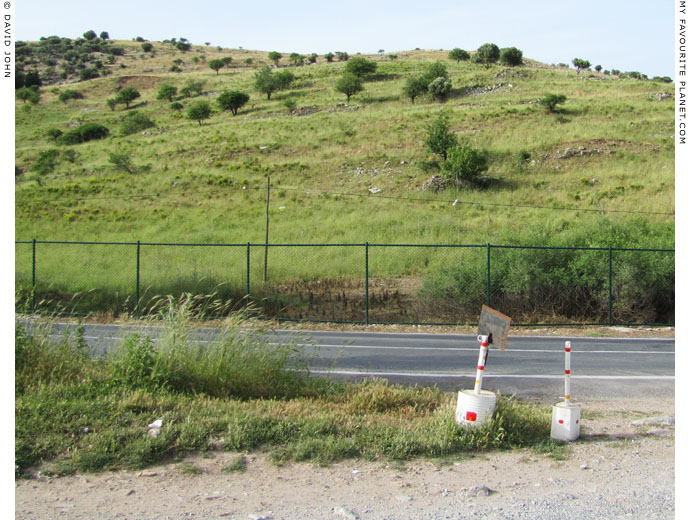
[(274, 56), (551, 100), (342, 56), (414, 87), (349, 84), (216, 65), (167, 92), (127, 95), (511, 56), (581, 64), (360, 66), (487, 54), (439, 138), (104, 35), (199, 111), (232, 100), (440, 88), (329, 57), (297, 59), (265, 82), (146, 47), (435, 70), (458, 55), (90, 35)]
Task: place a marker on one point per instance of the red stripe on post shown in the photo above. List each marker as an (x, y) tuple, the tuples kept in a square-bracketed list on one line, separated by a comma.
[(567, 349), (479, 367), (567, 371), (560, 421)]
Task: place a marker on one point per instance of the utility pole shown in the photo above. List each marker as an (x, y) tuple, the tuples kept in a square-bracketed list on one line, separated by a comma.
[(268, 198)]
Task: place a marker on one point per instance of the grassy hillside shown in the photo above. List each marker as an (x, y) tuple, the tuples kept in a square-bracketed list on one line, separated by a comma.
[(201, 183)]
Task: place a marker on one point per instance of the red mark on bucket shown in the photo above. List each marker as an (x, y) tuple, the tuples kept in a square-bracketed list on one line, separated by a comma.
[(471, 416), (560, 421)]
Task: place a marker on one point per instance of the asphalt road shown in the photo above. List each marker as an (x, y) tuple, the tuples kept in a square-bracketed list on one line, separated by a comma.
[(530, 367)]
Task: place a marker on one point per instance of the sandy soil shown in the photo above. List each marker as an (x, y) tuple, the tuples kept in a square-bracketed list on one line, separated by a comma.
[(617, 469)]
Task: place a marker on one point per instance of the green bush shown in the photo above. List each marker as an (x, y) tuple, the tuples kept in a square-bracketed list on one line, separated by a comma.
[(440, 88), (464, 164), (135, 122), (232, 100), (511, 56), (84, 133), (360, 66), (46, 161), (439, 138), (66, 95)]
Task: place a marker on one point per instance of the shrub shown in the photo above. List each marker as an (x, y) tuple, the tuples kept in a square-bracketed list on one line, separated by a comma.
[(135, 122), (440, 88), (360, 66), (166, 91), (551, 100), (487, 54), (232, 100), (45, 163), (66, 95), (176, 106), (199, 111), (265, 82), (53, 133), (121, 161), (439, 138), (297, 59), (147, 47), (84, 133), (464, 164), (511, 56), (458, 55), (193, 87), (329, 57), (342, 56), (216, 65), (284, 79), (274, 56), (88, 73), (435, 70)]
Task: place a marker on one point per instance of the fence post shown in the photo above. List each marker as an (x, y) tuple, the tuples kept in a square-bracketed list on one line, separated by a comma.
[(136, 307), (366, 282), (488, 274), (610, 285), (33, 276), (248, 269)]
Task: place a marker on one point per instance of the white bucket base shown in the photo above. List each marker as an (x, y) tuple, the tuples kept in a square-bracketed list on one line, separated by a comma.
[(474, 410), (565, 422)]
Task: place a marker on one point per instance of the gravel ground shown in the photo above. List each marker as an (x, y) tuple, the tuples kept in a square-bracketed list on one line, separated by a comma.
[(621, 467)]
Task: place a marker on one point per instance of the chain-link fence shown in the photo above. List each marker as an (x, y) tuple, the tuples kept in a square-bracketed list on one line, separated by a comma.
[(354, 283)]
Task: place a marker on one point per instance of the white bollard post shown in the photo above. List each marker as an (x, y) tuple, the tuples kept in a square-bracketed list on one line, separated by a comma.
[(481, 363), (565, 417)]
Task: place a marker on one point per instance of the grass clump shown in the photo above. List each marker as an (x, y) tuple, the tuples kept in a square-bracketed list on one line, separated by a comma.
[(77, 413)]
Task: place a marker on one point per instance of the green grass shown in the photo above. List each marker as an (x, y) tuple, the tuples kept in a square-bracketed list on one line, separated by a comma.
[(207, 183), (74, 413)]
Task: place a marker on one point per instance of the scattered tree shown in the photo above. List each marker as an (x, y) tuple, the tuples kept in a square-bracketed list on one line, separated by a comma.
[(312, 57), (199, 111), (349, 84), (439, 138), (581, 64), (598, 68), (193, 87), (329, 57), (104, 35), (414, 87), (274, 56), (216, 65), (176, 106), (127, 95), (551, 100), (458, 55), (135, 122), (183, 46), (232, 100), (435, 70), (265, 82), (360, 66), (290, 104), (342, 56), (90, 35), (487, 54), (167, 92), (297, 59), (147, 47), (511, 56)]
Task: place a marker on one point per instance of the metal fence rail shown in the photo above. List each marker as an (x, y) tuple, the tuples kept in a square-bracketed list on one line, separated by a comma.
[(355, 283)]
